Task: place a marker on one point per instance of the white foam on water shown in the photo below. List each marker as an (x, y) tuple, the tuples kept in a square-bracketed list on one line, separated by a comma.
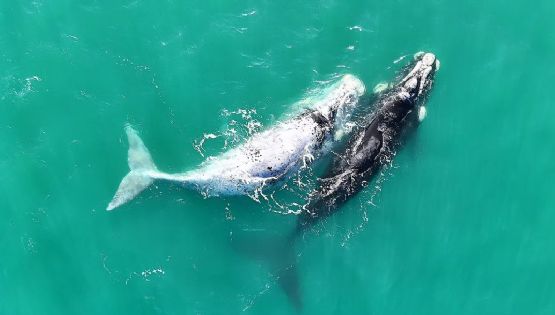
[(250, 13), (27, 86)]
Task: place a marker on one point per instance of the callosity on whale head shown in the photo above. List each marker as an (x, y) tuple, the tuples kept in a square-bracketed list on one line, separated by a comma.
[(418, 81)]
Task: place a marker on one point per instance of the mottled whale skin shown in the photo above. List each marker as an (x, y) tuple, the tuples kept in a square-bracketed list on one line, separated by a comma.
[(264, 159)]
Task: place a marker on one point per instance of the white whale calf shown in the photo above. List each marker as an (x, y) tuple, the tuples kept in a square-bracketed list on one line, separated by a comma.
[(265, 158)]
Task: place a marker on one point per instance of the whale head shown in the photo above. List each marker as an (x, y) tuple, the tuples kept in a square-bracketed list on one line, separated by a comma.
[(420, 77)]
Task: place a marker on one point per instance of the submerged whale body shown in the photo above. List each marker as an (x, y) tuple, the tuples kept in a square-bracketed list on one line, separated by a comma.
[(264, 159), (369, 148)]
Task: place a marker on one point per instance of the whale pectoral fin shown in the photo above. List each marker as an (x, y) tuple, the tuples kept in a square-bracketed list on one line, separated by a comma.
[(380, 87), (422, 113)]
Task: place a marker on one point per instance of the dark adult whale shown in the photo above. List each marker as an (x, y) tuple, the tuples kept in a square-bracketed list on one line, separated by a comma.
[(264, 159), (374, 144), (370, 148)]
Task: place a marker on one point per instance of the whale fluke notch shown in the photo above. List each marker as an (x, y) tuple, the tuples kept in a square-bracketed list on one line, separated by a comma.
[(142, 169)]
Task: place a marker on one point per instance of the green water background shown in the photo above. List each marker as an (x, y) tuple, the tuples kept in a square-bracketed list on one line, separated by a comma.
[(462, 225)]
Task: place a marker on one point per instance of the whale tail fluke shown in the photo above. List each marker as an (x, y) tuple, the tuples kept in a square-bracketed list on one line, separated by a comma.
[(142, 170), (279, 255)]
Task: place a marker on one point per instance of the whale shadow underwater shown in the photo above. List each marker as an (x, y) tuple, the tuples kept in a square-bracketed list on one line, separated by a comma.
[(395, 115)]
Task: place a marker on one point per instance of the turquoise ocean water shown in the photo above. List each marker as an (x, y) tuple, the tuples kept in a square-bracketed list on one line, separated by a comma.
[(463, 223)]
